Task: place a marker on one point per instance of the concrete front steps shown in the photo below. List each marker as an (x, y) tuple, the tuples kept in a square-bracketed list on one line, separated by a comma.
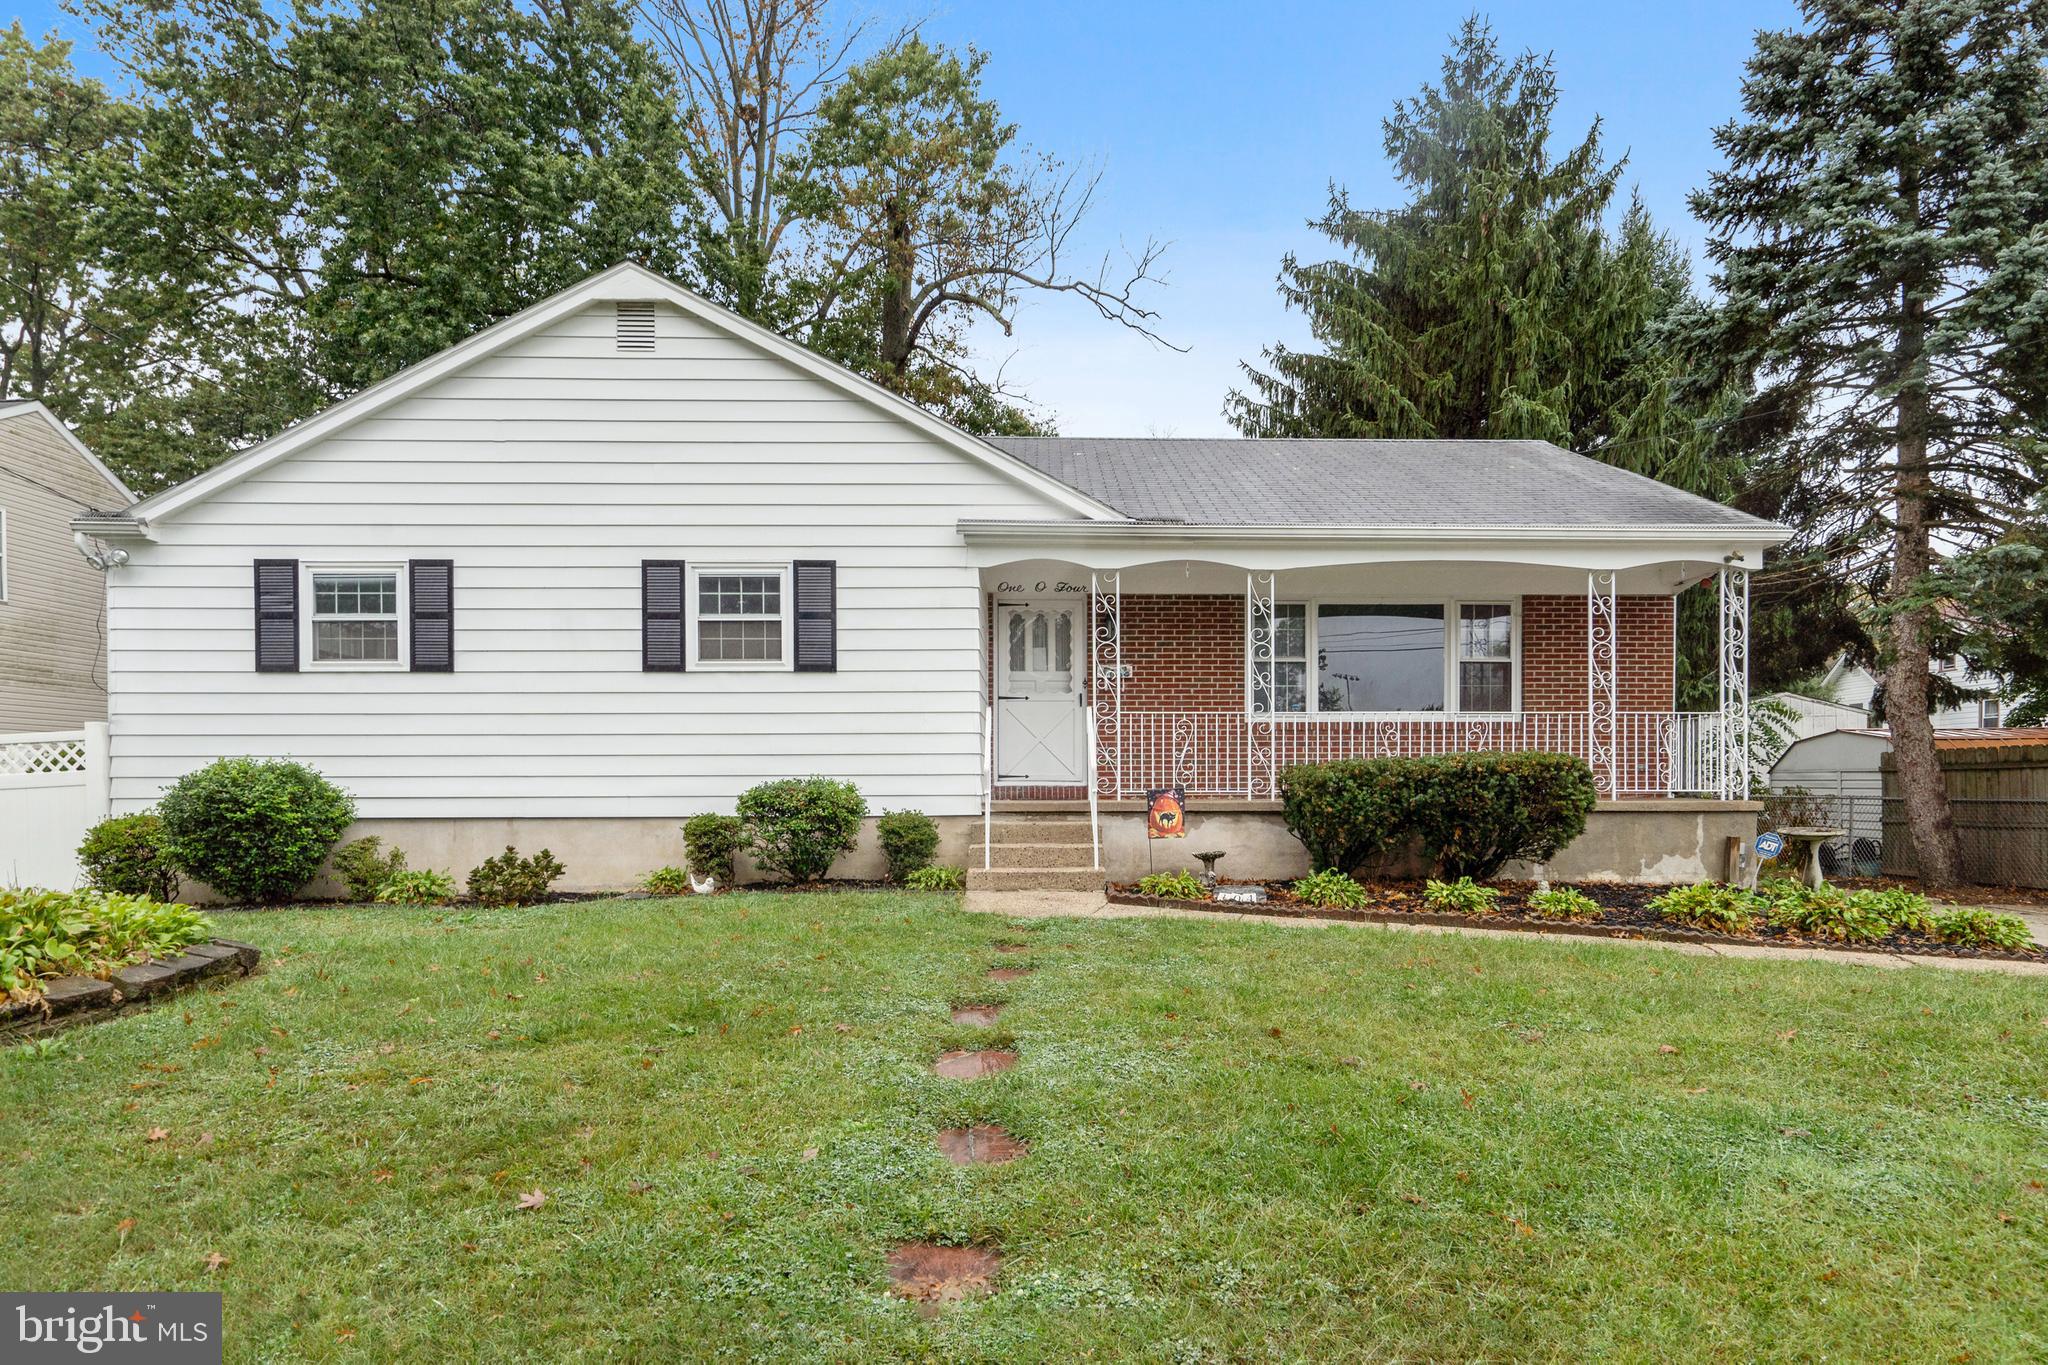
[(1035, 846)]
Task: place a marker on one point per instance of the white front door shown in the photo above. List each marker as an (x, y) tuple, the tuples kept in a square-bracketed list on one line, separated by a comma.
[(1041, 708)]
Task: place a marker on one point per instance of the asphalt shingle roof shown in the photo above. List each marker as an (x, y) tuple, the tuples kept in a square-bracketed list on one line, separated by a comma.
[(1366, 483)]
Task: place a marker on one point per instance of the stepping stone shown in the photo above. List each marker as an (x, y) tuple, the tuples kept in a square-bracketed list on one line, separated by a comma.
[(928, 1274), (985, 1144), (1008, 973), (961, 1065), (978, 1016)]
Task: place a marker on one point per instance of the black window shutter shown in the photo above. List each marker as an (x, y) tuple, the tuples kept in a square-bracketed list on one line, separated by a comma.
[(661, 615), (432, 598), (277, 616), (817, 627)]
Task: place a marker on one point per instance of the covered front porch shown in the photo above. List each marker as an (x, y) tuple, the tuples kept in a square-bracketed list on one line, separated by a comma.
[(1113, 669)]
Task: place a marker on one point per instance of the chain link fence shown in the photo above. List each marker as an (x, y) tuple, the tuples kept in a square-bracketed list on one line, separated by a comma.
[(2005, 843)]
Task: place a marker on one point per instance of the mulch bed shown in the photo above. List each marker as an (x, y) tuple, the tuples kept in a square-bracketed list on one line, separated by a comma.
[(1624, 908)]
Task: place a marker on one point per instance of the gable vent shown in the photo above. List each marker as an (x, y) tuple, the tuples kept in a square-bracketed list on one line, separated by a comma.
[(636, 326)]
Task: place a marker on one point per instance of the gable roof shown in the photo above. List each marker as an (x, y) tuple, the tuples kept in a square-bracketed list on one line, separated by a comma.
[(29, 407), (625, 281), (1453, 484)]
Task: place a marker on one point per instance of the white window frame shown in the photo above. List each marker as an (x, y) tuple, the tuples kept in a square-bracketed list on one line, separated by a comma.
[(693, 660), (308, 614), (1990, 713), (1312, 608)]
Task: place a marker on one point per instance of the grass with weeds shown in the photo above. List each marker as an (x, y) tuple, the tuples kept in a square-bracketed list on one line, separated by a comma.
[(1246, 1141)]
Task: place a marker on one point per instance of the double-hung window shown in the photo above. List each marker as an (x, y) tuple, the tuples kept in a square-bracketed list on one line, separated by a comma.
[(1289, 683), (740, 617), (1486, 656), (355, 619)]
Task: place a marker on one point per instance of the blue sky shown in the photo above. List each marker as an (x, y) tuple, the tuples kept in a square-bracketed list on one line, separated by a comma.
[(1219, 126)]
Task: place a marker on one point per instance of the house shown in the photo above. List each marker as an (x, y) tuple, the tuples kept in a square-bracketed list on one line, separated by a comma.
[(615, 559), (53, 660), (1853, 685)]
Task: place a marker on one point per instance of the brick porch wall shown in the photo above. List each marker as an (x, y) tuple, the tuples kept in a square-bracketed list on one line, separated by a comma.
[(1186, 653)]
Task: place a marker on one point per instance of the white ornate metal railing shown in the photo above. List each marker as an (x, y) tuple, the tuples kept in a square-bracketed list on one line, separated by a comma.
[(1231, 753)]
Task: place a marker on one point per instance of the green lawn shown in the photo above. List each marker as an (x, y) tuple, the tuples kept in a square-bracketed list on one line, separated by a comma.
[(1249, 1141)]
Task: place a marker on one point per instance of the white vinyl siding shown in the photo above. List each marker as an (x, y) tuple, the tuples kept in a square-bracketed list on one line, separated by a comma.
[(547, 473)]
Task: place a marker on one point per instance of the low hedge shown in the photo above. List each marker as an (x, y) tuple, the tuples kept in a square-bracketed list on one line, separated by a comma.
[(1472, 813)]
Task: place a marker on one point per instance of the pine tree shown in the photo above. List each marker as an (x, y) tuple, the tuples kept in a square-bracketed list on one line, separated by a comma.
[(1496, 302), (1881, 240)]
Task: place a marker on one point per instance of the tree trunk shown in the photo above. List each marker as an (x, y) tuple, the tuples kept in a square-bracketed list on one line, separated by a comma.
[(1929, 820), (897, 343)]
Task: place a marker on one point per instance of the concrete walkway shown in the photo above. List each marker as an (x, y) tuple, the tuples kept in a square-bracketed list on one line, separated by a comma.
[(1089, 905)]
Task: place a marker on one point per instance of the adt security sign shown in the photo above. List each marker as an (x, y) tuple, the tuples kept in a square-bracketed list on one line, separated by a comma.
[(1769, 844)]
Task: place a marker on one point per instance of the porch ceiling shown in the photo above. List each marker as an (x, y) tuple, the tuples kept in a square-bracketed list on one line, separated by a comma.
[(1047, 577)]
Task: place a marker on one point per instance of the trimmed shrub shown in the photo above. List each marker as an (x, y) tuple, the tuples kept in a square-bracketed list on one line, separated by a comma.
[(509, 879), (1709, 905), (85, 933), (936, 877), (1180, 886), (1983, 929), (126, 854), (798, 826), (1476, 813), (420, 887), (1473, 813), (710, 842), (1562, 902), (909, 839), (1330, 890), (666, 881), (1346, 814), (364, 867), (1463, 896), (253, 829)]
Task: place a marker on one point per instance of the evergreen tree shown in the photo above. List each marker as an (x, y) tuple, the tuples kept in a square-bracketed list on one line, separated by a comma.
[(1881, 240), (1496, 302)]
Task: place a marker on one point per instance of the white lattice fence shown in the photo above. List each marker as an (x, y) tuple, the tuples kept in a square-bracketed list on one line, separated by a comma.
[(53, 788), (27, 755)]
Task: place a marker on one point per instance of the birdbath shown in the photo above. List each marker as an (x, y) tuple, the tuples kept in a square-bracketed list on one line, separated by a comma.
[(1208, 862)]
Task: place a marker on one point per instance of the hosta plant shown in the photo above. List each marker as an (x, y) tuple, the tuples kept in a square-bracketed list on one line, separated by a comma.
[(1330, 890), (1179, 886), (1983, 929), (85, 933), (1902, 909), (1463, 896), (1825, 912), (1709, 905), (937, 877), (1561, 902)]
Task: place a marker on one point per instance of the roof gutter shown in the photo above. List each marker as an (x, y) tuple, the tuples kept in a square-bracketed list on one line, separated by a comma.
[(111, 526), (1019, 531)]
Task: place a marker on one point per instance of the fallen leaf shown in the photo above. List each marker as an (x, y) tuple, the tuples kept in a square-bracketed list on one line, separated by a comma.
[(810, 1154), (1274, 1031), (214, 1260), (1417, 1085), (1697, 1090), (2004, 1217), (157, 1135), (638, 1187), (206, 1139), (386, 1049), (1788, 1035), (344, 1334), (1666, 1049), (1350, 1061), (1467, 1096), (381, 1174), (494, 1035), (842, 1028), (1416, 1199), (532, 1199), (795, 1029), (124, 1227), (1795, 1132)]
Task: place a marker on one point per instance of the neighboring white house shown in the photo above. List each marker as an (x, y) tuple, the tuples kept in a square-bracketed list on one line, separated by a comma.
[(1852, 685), (618, 558), (53, 662)]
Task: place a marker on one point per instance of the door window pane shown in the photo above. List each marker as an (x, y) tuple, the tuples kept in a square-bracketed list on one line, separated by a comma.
[(1380, 657)]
